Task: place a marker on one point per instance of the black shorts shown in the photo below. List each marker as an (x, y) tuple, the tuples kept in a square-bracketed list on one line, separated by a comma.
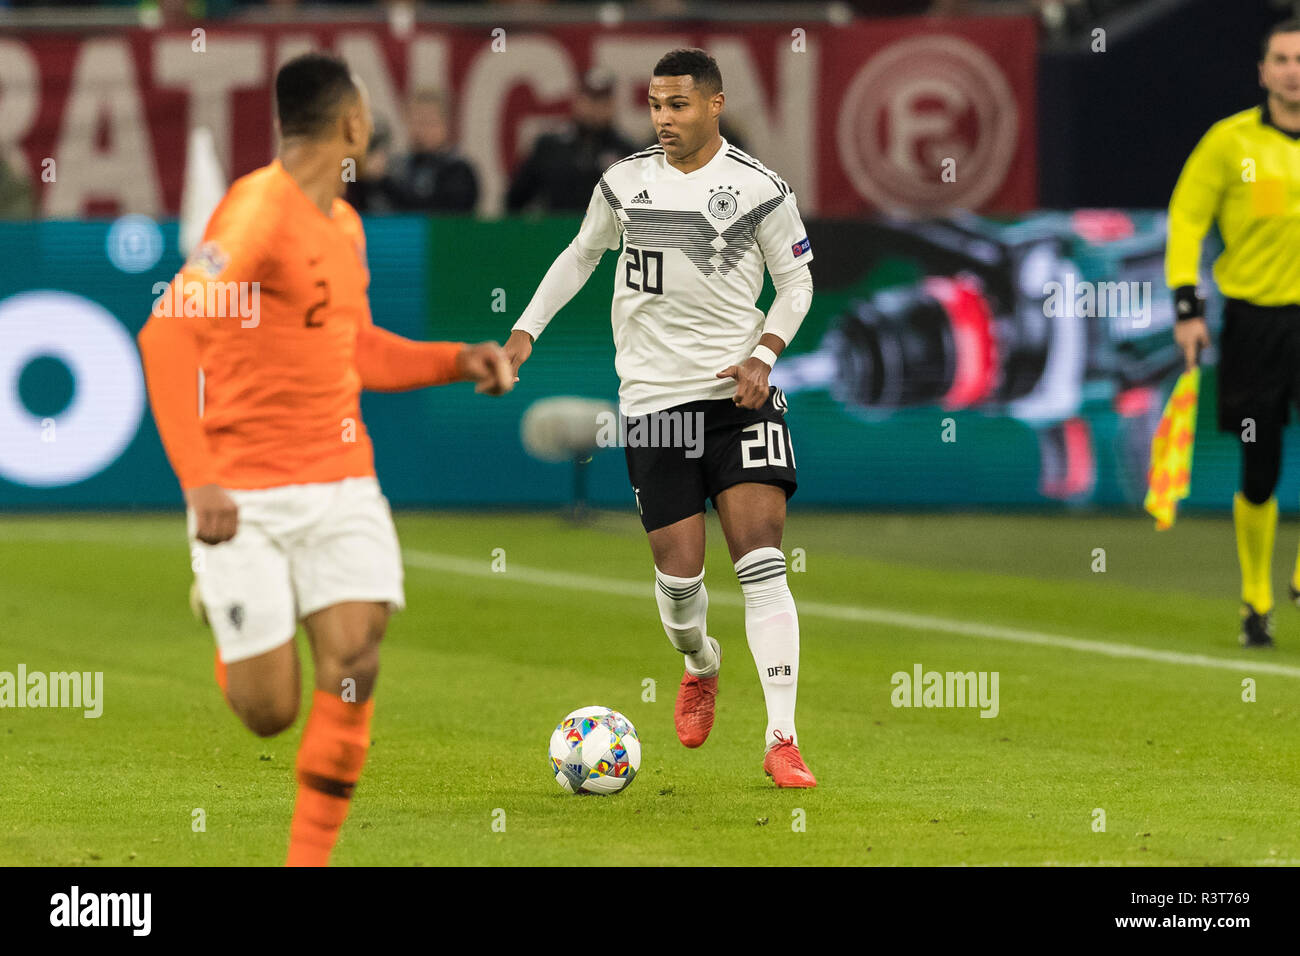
[(1259, 365), (681, 457)]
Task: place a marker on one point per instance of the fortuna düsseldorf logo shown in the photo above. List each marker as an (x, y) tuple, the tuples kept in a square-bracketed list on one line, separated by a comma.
[(916, 104)]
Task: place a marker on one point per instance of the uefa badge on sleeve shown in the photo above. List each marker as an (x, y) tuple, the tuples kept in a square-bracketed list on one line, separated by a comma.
[(210, 258), (800, 247)]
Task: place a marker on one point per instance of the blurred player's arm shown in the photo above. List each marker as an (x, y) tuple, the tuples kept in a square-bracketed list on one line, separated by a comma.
[(387, 362), (569, 272), (787, 252), (233, 251), (1192, 209), (169, 349)]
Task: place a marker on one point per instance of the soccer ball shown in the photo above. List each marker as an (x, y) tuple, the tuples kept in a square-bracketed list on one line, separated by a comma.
[(595, 750)]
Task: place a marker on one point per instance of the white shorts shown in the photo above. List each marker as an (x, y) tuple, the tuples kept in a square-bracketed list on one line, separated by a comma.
[(298, 549)]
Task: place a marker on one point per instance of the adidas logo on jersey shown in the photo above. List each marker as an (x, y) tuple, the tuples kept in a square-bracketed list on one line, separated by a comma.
[(643, 197)]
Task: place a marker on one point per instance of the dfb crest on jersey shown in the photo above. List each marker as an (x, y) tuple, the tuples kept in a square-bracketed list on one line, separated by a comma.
[(722, 203)]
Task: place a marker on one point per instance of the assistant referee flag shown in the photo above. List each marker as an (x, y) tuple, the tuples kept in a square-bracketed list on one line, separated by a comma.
[(1170, 476)]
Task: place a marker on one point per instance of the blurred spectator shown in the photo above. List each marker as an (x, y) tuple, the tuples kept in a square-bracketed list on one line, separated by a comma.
[(369, 193), (563, 167), (432, 177), (17, 197)]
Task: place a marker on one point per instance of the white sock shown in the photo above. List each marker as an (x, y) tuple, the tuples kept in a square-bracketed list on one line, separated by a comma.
[(772, 626), (683, 605)]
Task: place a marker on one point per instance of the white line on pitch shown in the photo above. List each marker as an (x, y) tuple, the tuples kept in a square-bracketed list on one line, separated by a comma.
[(429, 561)]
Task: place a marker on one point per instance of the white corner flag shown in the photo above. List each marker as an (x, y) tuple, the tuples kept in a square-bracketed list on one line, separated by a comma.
[(202, 189)]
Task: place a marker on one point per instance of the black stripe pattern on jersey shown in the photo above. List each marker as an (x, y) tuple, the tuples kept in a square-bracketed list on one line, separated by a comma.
[(608, 193), (652, 151), (691, 232), (746, 160)]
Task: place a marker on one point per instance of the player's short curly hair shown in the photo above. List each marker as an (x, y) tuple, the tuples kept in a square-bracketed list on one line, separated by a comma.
[(308, 92), (1286, 26), (695, 63)]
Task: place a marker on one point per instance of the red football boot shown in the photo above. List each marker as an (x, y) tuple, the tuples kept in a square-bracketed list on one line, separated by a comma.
[(693, 713), (784, 765)]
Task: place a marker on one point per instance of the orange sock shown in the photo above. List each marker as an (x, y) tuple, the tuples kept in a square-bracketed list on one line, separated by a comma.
[(333, 749)]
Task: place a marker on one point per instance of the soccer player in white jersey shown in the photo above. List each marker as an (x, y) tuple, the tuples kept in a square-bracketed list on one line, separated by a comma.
[(698, 221)]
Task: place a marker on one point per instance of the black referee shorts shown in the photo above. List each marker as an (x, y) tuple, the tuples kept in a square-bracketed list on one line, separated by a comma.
[(1259, 365), (681, 457)]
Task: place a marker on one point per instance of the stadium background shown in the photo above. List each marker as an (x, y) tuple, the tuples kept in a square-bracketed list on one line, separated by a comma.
[(1131, 728), (821, 93)]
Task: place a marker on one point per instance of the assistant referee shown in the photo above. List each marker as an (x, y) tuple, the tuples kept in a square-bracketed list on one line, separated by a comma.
[(1244, 176)]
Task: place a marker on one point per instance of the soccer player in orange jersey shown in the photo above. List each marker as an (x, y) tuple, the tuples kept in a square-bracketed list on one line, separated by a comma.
[(283, 508)]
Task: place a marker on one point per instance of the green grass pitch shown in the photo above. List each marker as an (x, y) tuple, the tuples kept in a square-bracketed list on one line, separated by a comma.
[(483, 664)]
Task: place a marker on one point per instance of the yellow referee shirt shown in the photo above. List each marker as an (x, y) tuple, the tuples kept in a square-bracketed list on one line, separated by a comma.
[(1244, 174)]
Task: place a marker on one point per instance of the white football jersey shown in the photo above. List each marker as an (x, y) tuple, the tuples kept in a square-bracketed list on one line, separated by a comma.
[(694, 246)]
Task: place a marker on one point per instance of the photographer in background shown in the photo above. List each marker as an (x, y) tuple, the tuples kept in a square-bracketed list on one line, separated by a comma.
[(563, 168), (432, 177)]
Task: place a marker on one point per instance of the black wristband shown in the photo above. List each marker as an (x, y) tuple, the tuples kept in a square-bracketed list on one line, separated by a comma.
[(1187, 304)]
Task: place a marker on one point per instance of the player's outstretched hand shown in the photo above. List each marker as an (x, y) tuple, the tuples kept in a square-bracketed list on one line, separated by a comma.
[(752, 389), (486, 365), (1192, 335), (215, 513), (518, 347)]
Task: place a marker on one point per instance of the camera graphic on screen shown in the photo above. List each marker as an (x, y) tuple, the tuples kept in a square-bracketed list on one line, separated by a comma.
[(1027, 320)]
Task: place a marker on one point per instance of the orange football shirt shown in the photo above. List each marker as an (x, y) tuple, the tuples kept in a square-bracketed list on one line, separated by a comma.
[(273, 307)]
